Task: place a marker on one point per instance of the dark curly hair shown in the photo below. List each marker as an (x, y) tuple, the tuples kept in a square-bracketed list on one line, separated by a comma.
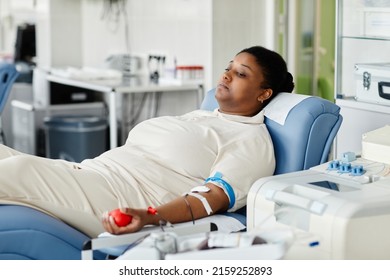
[(274, 68)]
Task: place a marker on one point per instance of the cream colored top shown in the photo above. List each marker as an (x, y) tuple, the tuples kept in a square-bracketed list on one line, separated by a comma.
[(165, 157)]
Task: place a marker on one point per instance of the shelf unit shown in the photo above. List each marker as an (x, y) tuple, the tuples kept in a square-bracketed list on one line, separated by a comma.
[(362, 36)]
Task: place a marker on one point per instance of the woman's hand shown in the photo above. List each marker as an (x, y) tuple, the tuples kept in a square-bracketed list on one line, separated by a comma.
[(175, 211), (139, 220)]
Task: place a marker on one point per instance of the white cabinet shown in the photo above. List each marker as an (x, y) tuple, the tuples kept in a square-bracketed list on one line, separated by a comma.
[(362, 37), (359, 117)]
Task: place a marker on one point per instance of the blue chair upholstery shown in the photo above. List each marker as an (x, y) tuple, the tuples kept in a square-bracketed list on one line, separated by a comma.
[(27, 234), (8, 75), (302, 142)]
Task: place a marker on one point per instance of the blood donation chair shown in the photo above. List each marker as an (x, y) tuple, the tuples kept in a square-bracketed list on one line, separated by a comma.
[(302, 129), (8, 75)]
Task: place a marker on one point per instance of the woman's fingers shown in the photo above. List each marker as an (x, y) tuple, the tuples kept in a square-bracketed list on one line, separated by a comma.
[(135, 224)]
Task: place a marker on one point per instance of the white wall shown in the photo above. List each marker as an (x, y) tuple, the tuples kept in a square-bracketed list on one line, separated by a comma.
[(205, 32), (59, 33), (13, 13), (238, 25), (176, 28)]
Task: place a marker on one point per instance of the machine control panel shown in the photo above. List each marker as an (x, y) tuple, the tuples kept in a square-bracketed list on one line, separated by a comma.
[(355, 168)]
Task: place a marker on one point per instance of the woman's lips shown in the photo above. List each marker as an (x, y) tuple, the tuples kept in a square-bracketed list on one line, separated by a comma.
[(222, 85)]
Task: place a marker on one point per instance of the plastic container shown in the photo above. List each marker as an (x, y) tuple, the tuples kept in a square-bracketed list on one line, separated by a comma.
[(189, 72), (75, 138)]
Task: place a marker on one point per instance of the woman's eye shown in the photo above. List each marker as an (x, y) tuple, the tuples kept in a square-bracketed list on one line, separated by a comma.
[(239, 74)]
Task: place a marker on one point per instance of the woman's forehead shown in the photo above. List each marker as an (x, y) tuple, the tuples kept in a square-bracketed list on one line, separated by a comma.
[(246, 60)]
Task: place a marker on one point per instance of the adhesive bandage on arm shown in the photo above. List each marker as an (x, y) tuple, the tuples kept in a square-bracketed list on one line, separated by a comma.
[(195, 193), (204, 201)]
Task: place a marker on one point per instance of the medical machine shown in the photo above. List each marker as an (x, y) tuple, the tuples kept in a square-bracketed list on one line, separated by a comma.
[(343, 205), (128, 65), (202, 241), (376, 145)]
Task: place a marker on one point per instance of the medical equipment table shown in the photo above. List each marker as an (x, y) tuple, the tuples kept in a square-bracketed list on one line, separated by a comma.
[(126, 85)]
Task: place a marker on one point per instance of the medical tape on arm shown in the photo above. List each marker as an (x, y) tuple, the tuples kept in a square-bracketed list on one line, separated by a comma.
[(195, 193), (204, 201)]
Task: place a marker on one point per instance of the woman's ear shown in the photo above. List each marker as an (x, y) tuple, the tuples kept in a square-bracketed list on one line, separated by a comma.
[(266, 94)]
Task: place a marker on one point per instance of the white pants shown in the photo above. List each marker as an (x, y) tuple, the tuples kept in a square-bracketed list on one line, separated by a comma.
[(77, 196)]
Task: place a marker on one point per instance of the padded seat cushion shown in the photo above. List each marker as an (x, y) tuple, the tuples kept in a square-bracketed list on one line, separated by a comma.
[(28, 234)]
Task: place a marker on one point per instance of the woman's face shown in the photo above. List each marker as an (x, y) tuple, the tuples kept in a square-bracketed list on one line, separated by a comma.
[(239, 90)]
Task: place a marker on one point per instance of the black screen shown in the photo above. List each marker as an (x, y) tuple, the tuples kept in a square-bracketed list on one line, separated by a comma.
[(25, 49), (327, 185)]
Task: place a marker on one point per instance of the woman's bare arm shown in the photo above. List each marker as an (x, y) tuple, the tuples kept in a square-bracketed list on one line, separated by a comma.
[(181, 209)]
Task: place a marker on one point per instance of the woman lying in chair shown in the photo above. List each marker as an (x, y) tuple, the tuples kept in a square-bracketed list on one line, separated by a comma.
[(185, 167)]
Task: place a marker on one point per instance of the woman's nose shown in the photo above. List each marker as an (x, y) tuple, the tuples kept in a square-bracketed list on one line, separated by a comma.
[(226, 76)]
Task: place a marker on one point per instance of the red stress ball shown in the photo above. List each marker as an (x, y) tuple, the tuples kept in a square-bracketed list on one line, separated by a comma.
[(121, 219)]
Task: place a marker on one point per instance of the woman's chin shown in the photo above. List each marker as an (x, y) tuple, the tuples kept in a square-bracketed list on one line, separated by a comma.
[(221, 92)]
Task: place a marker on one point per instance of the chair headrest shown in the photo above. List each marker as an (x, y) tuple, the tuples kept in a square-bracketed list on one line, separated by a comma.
[(279, 107)]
